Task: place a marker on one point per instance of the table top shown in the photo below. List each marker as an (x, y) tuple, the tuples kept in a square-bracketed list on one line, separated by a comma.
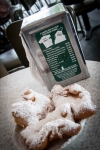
[(13, 85)]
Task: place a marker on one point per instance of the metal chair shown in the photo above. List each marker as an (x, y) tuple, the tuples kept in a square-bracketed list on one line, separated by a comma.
[(81, 9), (12, 32), (15, 58)]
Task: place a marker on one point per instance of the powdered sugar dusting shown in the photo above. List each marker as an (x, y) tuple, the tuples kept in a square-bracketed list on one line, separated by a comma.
[(46, 123), (50, 129), (79, 103), (33, 111)]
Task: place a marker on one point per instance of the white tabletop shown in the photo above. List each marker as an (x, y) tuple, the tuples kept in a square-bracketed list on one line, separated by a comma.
[(12, 86)]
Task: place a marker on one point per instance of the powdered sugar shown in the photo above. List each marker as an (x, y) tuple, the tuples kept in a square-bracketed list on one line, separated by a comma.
[(44, 122), (74, 88), (50, 129), (33, 111), (78, 103)]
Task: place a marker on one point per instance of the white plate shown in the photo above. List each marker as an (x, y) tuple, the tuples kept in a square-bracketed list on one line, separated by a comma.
[(56, 145)]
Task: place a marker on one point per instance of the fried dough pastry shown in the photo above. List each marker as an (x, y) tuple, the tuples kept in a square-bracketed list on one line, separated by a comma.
[(78, 98), (44, 120), (32, 108)]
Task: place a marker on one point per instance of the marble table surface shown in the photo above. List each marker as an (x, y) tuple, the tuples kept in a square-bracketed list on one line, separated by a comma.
[(12, 86)]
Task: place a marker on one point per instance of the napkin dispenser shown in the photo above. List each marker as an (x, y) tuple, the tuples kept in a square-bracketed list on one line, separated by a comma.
[(52, 41)]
